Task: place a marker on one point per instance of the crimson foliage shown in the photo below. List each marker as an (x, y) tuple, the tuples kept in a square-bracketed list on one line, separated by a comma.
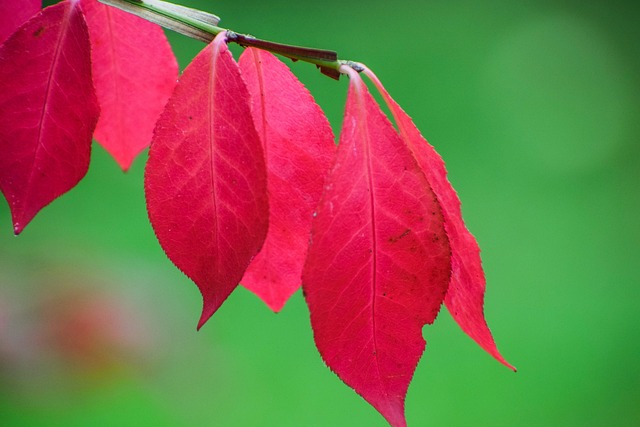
[(244, 183)]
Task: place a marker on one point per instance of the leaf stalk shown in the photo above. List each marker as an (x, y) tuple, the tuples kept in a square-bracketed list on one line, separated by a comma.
[(203, 26)]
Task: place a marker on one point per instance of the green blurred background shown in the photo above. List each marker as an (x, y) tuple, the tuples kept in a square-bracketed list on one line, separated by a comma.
[(534, 107)]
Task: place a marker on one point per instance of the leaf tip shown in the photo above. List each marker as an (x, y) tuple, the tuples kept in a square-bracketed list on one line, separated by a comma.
[(497, 356), (508, 365), (276, 308), (394, 414), (210, 304), (125, 166), (492, 349), (207, 312), (19, 223), (276, 305)]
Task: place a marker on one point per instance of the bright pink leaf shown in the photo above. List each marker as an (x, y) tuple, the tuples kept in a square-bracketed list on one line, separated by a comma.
[(299, 150), (205, 179), (14, 13), (378, 262), (48, 110), (134, 71), (465, 296)]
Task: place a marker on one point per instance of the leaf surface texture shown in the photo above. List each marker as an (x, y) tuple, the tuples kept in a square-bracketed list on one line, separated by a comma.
[(378, 263), (465, 296), (14, 13), (205, 179), (299, 150), (134, 71), (48, 110)]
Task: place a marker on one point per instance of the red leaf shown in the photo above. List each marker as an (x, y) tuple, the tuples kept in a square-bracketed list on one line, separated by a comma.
[(378, 263), (465, 297), (205, 179), (48, 110), (134, 72), (14, 13), (299, 149)]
